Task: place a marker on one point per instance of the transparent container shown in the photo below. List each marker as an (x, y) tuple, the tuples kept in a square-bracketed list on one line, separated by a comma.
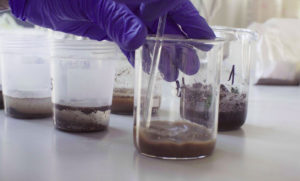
[(1, 93), (235, 76), (82, 73), (2, 35), (123, 96), (123, 88), (185, 124), (26, 74)]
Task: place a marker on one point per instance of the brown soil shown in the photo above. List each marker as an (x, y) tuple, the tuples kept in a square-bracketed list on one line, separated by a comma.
[(174, 140), (28, 108)]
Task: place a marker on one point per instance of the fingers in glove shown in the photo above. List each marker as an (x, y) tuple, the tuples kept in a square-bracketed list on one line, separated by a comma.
[(190, 21), (135, 1), (130, 56), (121, 25), (187, 59), (153, 10), (170, 29), (167, 67)]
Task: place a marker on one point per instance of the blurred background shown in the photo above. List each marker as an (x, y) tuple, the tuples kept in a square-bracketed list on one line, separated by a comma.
[(241, 13), (233, 13), (277, 22)]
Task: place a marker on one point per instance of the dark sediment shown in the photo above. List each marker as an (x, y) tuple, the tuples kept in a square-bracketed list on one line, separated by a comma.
[(232, 109), (81, 119), (195, 103), (28, 108), (1, 100)]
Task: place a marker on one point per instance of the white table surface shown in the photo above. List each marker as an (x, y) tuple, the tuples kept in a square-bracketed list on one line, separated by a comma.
[(266, 148)]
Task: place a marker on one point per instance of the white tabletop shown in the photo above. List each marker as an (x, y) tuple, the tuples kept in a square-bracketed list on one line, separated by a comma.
[(266, 148)]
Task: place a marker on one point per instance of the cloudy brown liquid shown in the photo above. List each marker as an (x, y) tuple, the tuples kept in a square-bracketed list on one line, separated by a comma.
[(174, 140), (122, 104), (28, 108)]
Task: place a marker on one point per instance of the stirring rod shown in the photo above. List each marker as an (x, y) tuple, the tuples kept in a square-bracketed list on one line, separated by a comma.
[(154, 69)]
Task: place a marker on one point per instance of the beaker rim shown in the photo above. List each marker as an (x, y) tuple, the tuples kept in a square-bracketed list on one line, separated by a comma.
[(254, 35), (176, 38)]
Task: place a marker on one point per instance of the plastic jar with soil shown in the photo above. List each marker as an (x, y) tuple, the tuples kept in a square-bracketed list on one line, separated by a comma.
[(123, 88), (2, 35), (235, 76), (123, 96), (1, 91), (173, 131), (26, 74), (82, 74)]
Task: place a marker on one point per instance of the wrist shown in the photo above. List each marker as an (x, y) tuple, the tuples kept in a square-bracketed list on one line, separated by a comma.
[(17, 8), (4, 5)]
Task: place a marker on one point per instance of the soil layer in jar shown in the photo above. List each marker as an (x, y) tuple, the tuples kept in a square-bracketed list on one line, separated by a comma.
[(81, 119), (195, 102), (1, 100), (122, 101), (122, 105), (28, 108), (232, 109), (180, 139)]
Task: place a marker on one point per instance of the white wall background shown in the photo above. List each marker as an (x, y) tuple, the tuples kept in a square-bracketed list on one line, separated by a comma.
[(240, 13)]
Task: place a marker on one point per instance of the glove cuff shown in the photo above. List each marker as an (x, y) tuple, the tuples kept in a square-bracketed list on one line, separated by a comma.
[(17, 8)]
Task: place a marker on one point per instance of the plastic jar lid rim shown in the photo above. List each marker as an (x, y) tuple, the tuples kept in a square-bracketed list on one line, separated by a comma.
[(23, 38), (75, 46)]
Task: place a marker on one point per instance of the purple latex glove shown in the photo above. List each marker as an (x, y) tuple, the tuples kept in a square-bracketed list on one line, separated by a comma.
[(175, 56), (126, 22)]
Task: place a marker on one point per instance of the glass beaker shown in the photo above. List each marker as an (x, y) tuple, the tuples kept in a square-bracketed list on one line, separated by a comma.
[(26, 74), (235, 76), (82, 73), (185, 124)]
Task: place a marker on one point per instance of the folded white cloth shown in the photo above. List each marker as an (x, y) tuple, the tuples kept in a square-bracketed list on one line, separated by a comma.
[(278, 52)]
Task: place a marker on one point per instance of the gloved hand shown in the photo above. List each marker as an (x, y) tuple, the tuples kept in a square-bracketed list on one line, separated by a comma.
[(126, 22)]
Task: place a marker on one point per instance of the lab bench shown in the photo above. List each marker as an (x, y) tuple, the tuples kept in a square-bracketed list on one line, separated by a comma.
[(266, 148)]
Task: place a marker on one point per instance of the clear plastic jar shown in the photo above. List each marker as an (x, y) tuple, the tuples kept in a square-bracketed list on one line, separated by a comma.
[(123, 88), (185, 124), (82, 74), (235, 76), (123, 96), (1, 92), (26, 74)]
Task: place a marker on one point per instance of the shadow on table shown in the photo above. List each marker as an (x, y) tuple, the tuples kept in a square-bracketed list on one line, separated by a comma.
[(231, 143), (45, 122), (230, 146), (67, 144), (147, 168), (258, 132), (111, 132), (237, 133)]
